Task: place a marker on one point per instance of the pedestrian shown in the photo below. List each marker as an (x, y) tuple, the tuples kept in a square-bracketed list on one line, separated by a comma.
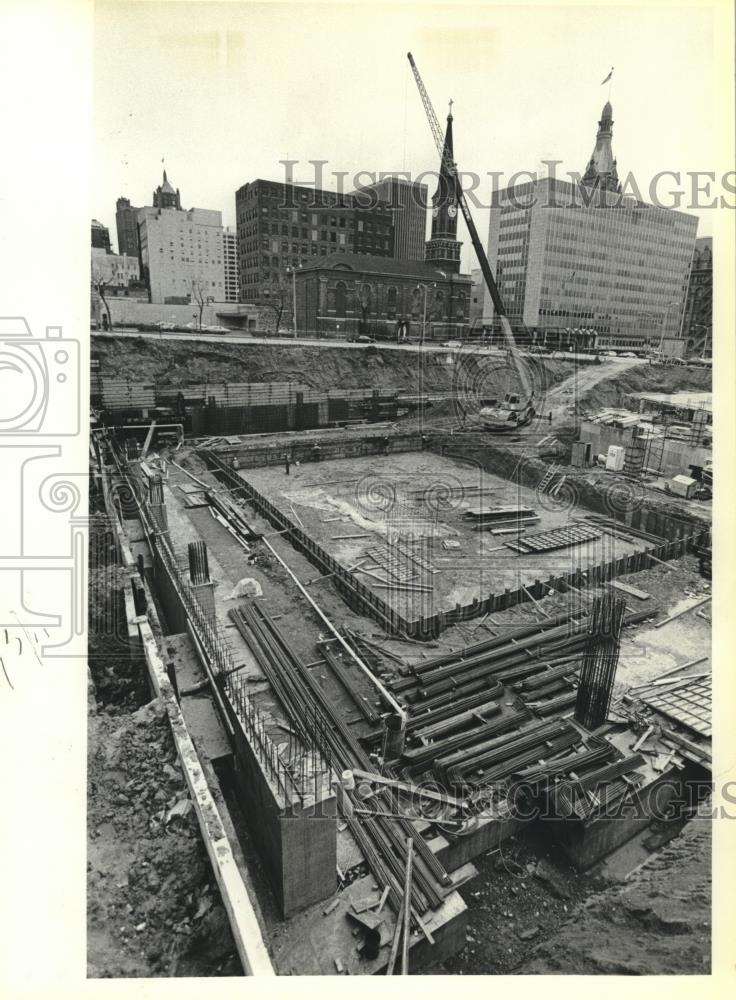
[(287, 464), (386, 444), (550, 418)]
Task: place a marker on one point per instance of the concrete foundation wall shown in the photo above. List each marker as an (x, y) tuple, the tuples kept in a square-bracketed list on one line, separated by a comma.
[(297, 842), (669, 456)]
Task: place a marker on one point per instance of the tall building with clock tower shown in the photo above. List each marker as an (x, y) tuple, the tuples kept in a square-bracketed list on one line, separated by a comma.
[(442, 250)]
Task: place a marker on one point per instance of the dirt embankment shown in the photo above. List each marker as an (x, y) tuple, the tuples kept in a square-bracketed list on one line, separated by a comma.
[(656, 923), (321, 367), (644, 378), (153, 908)]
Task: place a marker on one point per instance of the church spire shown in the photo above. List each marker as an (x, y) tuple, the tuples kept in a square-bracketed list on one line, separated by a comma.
[(601, 170), (443, 249)]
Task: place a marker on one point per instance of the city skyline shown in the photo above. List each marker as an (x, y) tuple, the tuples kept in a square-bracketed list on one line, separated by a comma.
[(212, 56)]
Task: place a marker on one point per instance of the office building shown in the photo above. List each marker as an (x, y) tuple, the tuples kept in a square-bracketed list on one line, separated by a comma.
[(698, 320), (282, 226), (126, 223), (408, 203), (100, 237), (181, 251), (230, 260), (584, 260)]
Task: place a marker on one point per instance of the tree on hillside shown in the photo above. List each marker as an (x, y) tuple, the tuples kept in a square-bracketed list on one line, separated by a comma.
[(100, 281)]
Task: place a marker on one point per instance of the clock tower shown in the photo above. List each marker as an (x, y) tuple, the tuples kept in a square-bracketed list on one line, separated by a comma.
[(443, 249)]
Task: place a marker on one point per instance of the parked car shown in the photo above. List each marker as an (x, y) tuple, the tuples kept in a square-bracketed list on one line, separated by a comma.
[(456, 344), (361, 338)]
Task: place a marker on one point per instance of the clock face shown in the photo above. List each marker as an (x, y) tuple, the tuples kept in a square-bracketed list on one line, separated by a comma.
[(435, 212), (452, 211)]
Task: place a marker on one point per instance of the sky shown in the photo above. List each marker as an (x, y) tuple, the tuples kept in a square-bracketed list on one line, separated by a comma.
[(223, 91)]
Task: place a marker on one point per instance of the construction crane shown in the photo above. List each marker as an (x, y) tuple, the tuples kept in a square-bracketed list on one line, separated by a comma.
[(516, 409)]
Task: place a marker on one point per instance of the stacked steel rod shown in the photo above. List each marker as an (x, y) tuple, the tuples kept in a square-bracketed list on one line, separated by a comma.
[(459, 728), (382, 839)]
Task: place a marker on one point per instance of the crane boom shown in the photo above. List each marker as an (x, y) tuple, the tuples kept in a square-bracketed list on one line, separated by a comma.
[(451, 168)]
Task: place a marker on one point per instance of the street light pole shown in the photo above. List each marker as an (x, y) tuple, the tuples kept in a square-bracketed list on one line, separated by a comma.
[(293, 297), (424, 315)]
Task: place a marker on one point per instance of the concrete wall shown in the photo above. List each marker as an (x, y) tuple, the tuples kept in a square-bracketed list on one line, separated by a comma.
[(132, 312)]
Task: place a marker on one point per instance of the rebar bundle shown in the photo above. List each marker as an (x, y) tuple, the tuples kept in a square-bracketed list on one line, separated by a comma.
[(599, 661)]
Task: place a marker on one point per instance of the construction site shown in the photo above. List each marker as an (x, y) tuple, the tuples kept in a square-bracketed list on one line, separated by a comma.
[(407, 676), (401, 659)]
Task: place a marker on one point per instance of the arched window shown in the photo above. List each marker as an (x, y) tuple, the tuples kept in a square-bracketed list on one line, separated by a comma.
[(461, 305), (391, 300), (341, 298)]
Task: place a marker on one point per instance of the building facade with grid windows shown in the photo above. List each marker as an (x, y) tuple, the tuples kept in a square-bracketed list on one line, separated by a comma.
[(285, 226), (567, 258), (581, 258)]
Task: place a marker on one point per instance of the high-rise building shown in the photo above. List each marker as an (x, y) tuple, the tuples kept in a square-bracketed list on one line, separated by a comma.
[(181, 252), (230, 259), (126, 223), (574, 259), (408, 203), (100, 237), (697, 327), (282, 226), (443, 248), (165, 196)]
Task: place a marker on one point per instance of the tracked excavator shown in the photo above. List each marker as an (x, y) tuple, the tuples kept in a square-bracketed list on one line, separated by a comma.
[(517, 408)]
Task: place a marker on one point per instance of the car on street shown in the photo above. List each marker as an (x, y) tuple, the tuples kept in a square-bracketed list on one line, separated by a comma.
[(456, 344), (361, 338)]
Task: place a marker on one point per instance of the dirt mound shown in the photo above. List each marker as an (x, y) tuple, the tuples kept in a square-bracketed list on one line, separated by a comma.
[(644, 378), (657, 923), (152, 906)]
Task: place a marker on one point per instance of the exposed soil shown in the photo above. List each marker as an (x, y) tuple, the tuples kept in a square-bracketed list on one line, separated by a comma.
[(644, 378), (153, 908), (656, 922), (321, 367)]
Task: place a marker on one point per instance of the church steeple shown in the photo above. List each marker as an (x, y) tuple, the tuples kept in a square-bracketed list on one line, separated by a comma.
[(601, 170), (443, 249)]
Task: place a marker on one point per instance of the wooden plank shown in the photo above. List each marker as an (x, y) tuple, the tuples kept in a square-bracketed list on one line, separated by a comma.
[(641, 595)]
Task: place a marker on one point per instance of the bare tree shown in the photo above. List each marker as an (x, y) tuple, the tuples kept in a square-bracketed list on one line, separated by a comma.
[(276, 299), (198, 294), (100, 281)]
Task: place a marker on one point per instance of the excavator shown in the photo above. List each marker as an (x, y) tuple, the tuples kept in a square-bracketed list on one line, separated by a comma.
[(517, 408)]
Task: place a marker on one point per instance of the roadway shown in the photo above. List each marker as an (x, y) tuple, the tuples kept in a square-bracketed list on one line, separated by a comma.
[(236, 338)]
